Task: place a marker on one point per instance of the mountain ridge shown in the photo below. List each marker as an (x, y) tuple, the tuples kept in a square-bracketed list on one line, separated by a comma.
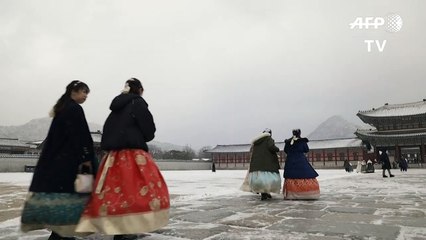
[(334, 127), (37, 129)]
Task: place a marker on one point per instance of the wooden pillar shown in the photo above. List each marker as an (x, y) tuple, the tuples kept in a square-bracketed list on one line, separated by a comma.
[(227, 160), (234, 159), (365, 154), (347, 154), (284, 156), (335, 156), (243, 159), (323, 156), (422, 152), (397, 153), (377, 154), (311, 153)]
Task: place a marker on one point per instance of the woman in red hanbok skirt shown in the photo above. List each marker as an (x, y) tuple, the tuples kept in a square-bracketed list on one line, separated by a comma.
[(299, 176), (130, 194)]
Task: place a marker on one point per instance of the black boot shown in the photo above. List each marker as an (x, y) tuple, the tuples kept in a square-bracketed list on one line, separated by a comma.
[(263, 196), (55, 236), (391, 175), (384, 175), (268, 195), (125, 237)]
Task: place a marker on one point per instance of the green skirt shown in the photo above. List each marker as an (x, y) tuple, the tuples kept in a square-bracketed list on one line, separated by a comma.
[(59, 212)]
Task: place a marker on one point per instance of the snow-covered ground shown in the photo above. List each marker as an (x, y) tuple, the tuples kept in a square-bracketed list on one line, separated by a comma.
[(191, 184), (183, 186), (194, 186)]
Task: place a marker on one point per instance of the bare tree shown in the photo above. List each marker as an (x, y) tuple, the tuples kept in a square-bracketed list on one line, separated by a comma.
[(202, 152)]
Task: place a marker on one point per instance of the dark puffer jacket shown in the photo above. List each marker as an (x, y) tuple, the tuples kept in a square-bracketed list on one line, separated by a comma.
[(264, 154), (297, 165), (130, 125)]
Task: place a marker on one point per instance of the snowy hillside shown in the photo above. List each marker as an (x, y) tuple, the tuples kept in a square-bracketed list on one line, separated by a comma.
[(333, 127), (36, 130)]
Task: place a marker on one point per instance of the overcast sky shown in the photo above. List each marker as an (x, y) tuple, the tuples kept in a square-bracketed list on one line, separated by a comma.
[(214, 72)]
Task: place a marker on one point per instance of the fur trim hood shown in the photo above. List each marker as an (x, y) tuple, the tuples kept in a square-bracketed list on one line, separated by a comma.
[(260, 138)]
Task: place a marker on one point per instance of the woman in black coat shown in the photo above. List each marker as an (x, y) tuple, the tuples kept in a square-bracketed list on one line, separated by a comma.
[(386, 165), (129, 185), (68, 144)]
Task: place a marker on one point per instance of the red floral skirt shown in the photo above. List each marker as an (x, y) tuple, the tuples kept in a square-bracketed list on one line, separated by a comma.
[(307, 188), (130, 196)]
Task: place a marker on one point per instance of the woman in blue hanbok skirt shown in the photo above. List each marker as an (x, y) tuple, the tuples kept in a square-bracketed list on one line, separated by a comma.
[(299, 176)]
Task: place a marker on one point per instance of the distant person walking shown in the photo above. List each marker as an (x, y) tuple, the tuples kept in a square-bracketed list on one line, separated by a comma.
[(130, 194), (299, 176), (53, 202), (403, 165), (386, 165), (347, 166), (264, 176)]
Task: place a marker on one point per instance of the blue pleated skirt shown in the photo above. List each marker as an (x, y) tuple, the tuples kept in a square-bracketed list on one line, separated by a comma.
[(265, 182)]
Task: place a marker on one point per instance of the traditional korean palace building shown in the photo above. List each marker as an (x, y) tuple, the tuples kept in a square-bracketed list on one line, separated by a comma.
[(399, 128), (329, 153), (18, 156), (14, 146)]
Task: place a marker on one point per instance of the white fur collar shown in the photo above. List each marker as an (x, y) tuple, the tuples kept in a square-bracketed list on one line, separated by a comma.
[(260, 136)]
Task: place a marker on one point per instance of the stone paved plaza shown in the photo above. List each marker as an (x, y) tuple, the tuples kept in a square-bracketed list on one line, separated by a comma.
[(357, 206)]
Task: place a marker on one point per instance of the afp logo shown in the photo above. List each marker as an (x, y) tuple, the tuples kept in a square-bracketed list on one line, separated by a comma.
[(392, 23)]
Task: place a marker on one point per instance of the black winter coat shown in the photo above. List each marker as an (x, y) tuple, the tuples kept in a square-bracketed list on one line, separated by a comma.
[(384, 158), (67, 145), (130, 124), (264, 154)]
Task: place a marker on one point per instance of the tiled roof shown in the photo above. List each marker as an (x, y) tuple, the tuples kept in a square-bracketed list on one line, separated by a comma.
[(392, 134), (12, 142), (235, 148), (313, 145), (5, 155), (391, 110)]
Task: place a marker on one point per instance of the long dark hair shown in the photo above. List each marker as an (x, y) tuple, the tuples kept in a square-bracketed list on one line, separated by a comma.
[(75, 86), (296, 132), (135, 85)]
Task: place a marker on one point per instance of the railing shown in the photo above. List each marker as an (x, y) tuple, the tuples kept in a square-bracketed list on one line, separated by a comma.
[(5, 155)]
